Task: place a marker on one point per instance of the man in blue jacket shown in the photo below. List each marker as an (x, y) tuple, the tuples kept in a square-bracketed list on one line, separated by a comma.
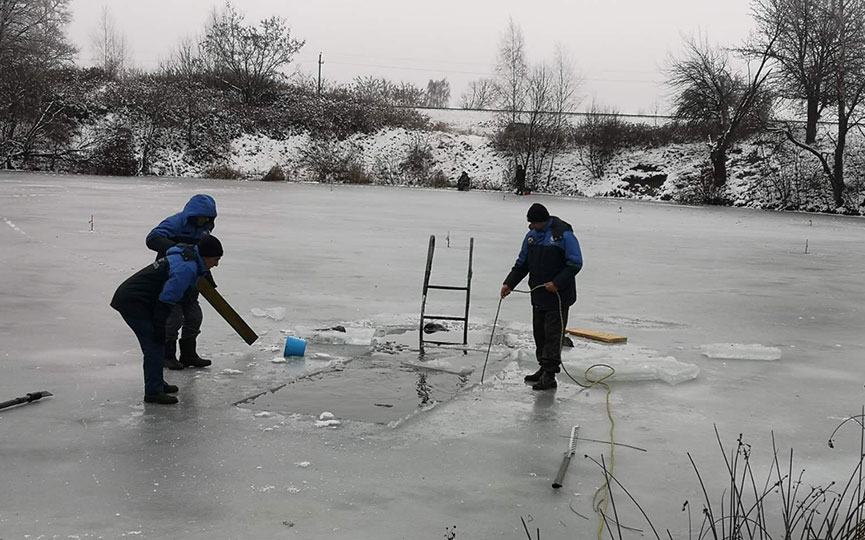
[(551, 257), (186, 227), (146, 298)]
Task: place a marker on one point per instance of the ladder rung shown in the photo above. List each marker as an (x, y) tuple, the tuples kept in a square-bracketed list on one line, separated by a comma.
[(444, 318), (443, 342), (447, 287)]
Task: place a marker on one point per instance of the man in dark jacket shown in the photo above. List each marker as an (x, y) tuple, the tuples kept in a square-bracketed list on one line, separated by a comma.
[(186, 227), (551, 257), (520, 180), (146, 298)]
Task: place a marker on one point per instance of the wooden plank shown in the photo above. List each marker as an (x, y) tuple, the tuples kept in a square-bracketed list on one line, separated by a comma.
[(223, 308), (598, 336)]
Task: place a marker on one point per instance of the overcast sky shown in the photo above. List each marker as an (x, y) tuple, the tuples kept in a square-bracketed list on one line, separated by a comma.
[(618, 46)]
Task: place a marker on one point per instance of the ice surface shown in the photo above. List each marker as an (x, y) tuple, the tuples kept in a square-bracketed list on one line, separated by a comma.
[(739, 351), (84, 462)]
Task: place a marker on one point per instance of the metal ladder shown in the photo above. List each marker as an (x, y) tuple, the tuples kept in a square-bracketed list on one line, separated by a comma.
[(426, 287)]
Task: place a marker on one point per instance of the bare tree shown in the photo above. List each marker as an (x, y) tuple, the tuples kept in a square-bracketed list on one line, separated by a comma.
[(512, 72), (480, 94), (34, 96), (724, 103), (533, 104), (848, 67), (370, 87), (407, 94), (109, 45), (538, 121), (248, 60), (438, 93), (803, 51), (186, 71), (563, 100), (599, 136)]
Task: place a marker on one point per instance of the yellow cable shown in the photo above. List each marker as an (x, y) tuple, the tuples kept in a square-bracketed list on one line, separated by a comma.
[(602, 504)]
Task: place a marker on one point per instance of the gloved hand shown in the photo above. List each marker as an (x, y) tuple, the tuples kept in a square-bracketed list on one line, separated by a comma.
[(188, 253), (160, 244)]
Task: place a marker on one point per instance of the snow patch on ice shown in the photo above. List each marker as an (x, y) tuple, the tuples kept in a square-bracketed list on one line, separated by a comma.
[(229, 371), (14, 227), (739, 351), (275, 313)]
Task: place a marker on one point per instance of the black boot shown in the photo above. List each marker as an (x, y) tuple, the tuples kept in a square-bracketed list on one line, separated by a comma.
[(534, 377), (188, 356), (169, 388), (546, 382), (171, 356), (162, 399)]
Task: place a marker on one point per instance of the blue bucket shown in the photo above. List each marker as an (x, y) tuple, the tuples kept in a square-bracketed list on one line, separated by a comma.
[(294, 346)]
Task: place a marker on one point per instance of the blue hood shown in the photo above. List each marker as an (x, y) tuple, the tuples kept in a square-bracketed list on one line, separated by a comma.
[(199, 205)]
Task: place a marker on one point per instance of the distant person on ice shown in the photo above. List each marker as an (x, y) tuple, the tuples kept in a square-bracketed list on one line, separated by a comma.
[(186, 227), (146, 299), (464, 183), (520, 180), (551, 257)]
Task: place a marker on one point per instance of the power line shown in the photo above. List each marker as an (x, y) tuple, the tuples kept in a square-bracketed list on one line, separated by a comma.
[(479, 73)]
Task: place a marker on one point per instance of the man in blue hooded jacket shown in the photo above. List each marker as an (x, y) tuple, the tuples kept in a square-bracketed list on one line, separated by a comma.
[(551, 257), (187, 228), (146, 298)]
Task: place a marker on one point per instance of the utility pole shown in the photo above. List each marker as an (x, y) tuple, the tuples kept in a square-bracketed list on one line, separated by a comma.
[(318, 90)]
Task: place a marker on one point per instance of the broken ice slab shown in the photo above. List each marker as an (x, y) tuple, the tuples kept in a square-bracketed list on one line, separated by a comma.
[(351, 336), (452, 364), (631, 364), (739, 351)]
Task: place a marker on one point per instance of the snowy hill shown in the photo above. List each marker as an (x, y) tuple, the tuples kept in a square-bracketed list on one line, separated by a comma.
[(460, 141)]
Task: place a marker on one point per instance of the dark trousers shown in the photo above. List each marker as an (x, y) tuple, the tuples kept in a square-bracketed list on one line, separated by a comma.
[(548, 327), (153, 353), (186, 314)]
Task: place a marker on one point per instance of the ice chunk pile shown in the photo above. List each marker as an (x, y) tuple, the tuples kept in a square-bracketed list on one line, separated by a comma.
[(327, 419), (739, 351), (332, 336)]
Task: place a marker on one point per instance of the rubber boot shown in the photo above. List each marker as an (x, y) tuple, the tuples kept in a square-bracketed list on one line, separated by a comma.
[(534, 377), (169, 388), (171, 356), (546, 382), (188, 356)]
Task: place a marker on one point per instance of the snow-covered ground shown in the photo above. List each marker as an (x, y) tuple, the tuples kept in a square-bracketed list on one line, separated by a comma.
[(363, 439), (458, 140)]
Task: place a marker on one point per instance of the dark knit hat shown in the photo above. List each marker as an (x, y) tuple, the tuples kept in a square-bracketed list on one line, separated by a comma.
[(537, 213), (209, 246)]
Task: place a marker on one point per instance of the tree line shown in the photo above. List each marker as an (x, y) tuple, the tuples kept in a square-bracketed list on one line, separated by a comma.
[(804, 56)]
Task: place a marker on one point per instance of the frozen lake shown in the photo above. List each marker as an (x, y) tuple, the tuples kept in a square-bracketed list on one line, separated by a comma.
[(772, 334)]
